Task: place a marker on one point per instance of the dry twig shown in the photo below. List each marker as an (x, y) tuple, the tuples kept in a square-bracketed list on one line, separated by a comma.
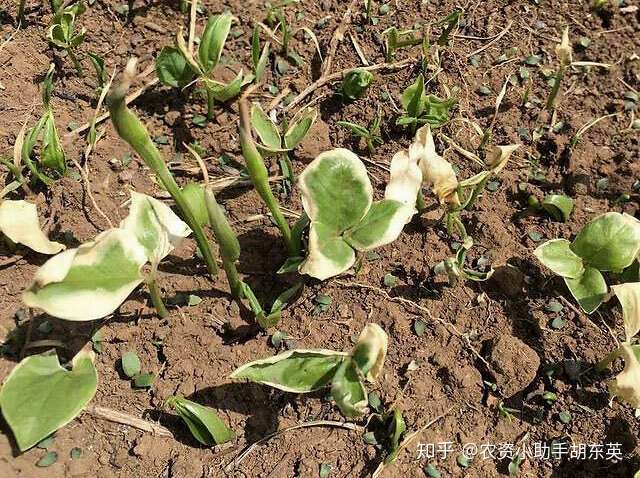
[(129, 420)]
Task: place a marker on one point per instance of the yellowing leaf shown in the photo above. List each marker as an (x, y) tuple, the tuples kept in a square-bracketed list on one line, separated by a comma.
[(629, 296), (19, 222), (404, 182), (499, 157), (89, 282), (563, 49), (370, 351), (627, 384), (437, 172)]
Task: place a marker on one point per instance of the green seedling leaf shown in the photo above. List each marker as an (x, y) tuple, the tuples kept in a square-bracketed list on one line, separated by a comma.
[(589, 289), (47, 460), (558, 323), (299, 127), (338, 198), (355, 83), (609, 242), (432, 471), (558, 256), (193, 300), (265, 129), (419, 327), (514, 464), (222, 92), (348, 391), (355, 128), (19, 222), (144, 380), (204, 423), (213, 39), (75, 453), (325, 470), (297, 371), (130, 364), (564, 417), (40, 396), (52, 155), (91, 281), (370, 351), (558, 206), (173, 69), (629, 297), (463, 461), (374, 401)]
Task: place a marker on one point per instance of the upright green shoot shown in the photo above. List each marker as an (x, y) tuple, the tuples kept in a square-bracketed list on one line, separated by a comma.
[(131, 129), (563, 52), (370, 134), (63, 35)]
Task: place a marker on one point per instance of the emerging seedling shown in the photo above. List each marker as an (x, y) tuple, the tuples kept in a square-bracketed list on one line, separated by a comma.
[(455, 267), (558, 206), (338, 199), (370, 134), (204, 423), (610, 242), (304, 371), (395, 39), (52, 155), (63, 35), (355, 83), (131, 129), (564, 53), (438, 173), (179, 67), (40, 396), (423, 109), (448, 23), (91, 281)]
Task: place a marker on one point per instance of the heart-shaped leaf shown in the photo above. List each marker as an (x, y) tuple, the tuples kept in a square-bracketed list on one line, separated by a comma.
[(609, 242), (558, 206), (40, 396), (173, 69)]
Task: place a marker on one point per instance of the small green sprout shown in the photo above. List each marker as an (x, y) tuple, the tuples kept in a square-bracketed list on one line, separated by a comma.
[(558, 206), (564, 53), (610, 242), (63, 35), (355, 83), (395, 39), (52, 155), (370, 134), (259, 57), (180, 66), (305, 371), (448, 23), (423, 109), (455, 268), (204, 423)]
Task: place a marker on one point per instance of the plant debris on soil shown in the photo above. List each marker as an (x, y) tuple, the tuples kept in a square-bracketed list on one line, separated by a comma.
[(507, 363)]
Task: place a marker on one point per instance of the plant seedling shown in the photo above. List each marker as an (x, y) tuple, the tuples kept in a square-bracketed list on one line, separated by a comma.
[(63, 35), (91, 281), (455, 268), (40, 396), (395, 39), (355, 83), (337, 196), (204, 423), (178, 66), (564, 53), (304, 371), (558, 206), (448, 23), (421, 108), (370, 134), (131, 130), (609, 242), (52, 155)]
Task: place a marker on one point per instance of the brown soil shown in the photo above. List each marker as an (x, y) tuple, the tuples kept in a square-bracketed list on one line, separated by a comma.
[(196, 348)]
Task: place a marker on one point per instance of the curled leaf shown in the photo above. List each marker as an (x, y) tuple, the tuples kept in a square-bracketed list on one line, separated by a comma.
[(436, 171), (404, 182), (629, 296), (19, 222), (626, 385), (370, 351), (299, 127), (296, 371), (348, 391), (499, 156), (204, 423)]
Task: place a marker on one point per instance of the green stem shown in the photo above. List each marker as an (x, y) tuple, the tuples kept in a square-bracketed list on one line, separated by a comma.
[(156, 298), (260, 177), (228, 241), (210, 104), (131, 130), (555, 88), (604, 363), (75, 61), (20, 15), (420, 204)]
